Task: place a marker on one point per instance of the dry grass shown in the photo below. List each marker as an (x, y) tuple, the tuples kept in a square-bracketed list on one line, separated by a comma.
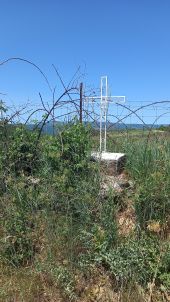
[(26, 285)]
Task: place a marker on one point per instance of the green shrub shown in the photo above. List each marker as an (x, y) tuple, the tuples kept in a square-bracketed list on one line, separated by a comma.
[(132, 260), (17, 244), (23, 154), (60, 276), (164, 269), (69, 150)]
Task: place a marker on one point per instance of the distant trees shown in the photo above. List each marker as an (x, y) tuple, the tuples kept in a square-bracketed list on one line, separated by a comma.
[(165, 128)]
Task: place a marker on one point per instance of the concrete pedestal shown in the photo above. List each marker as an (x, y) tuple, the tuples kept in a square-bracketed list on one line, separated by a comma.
[(112, 163)]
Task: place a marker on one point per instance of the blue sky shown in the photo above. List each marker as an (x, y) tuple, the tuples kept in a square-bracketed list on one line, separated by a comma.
[(128, 40)]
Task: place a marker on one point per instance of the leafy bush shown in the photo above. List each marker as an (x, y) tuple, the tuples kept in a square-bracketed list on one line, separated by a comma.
[(132, 260), (107, 233), (70, 149), (17, 245), (60, 276), (164, 269), (23, 155), (19, 208)]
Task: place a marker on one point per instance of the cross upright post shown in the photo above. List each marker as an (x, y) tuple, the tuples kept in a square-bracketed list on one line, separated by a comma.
[(103, 112), (105, 99)]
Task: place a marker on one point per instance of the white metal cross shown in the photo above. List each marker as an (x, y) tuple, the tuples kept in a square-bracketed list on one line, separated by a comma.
[(105, 99)]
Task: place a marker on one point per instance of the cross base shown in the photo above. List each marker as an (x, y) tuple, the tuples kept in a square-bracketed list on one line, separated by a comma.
[(111, 163)]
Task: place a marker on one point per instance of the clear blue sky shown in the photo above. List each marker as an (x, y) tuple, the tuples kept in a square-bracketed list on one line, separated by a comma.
[(128, 40)]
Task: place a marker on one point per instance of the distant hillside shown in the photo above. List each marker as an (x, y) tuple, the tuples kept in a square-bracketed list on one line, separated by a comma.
[(49, 128), (121, 126)]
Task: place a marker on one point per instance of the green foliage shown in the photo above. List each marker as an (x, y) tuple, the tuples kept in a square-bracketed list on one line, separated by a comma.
[(107, 235), (164, 269), (19, 206), (17, 245), (132, 260), (97, 233), (54, 188), (23, 154), (148, 162), (70, 149), (60, 276), (152, 201), (165, 280), (75, 146), (165, 128)]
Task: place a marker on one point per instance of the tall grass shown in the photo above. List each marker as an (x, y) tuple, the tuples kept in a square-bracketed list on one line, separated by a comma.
[(148, 164), (55, 221)]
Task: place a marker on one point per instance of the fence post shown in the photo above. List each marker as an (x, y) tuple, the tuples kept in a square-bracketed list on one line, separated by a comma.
[(81, 102)]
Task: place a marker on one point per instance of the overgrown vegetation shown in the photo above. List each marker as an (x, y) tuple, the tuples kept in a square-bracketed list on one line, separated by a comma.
[(58, 230)]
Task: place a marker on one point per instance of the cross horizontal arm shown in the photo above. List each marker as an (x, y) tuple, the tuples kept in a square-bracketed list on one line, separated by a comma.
[(105, 96)]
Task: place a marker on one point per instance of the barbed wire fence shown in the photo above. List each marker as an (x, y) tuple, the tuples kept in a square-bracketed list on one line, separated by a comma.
[(122, 118), (59, 110)]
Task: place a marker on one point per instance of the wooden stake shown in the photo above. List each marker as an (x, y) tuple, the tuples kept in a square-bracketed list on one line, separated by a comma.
[(81, 102)]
